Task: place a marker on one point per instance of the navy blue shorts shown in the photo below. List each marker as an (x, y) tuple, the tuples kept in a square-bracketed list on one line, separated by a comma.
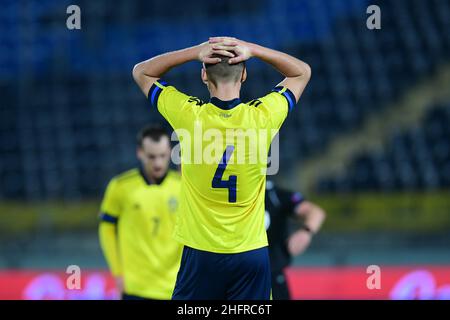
[(235, 276)]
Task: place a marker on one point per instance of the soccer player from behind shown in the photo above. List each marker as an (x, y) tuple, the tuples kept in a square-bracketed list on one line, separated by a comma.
[(284, 243), (221, 221), (137, 220)]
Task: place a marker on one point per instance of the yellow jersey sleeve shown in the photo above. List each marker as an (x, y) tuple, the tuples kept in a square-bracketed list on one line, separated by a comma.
[(110, 247), (173, 105), (110, 208), (278, 103), (109, 213)]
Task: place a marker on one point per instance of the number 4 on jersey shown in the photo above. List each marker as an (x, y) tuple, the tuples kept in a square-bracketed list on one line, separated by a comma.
[(231, 183)]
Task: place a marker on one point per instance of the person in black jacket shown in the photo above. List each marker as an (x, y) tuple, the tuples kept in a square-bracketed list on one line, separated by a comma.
[(284, 244)]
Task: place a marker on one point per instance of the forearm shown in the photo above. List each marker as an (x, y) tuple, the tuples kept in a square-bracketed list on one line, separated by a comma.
[(286, 64), (159, 65), (110, 248), (313, 217)]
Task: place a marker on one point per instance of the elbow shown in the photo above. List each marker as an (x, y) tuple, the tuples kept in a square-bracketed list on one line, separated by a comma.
[(137, 72), (322, 215), (319, 214), (306, 71)]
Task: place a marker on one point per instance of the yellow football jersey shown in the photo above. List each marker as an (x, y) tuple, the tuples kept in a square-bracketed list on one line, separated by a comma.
[(145, 215), (224, 149)]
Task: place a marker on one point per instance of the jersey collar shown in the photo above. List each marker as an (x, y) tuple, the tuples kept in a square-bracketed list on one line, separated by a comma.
[(147, 181), (225, 105)]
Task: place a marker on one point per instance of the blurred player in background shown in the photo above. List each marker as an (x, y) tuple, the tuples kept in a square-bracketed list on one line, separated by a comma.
[(137, 220), (221, 223), (281, 205)]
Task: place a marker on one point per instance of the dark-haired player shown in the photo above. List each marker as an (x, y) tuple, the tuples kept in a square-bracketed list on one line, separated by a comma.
[(137, 220)]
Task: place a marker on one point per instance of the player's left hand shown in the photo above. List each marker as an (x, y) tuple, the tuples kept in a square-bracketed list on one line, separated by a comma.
[(207, 52), (240, 48), (298, 242)]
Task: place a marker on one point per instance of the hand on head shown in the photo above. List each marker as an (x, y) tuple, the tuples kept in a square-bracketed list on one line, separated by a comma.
[(237, 50)]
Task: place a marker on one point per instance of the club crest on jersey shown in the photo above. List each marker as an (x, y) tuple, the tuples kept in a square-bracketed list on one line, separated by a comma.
[(173, 204)]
